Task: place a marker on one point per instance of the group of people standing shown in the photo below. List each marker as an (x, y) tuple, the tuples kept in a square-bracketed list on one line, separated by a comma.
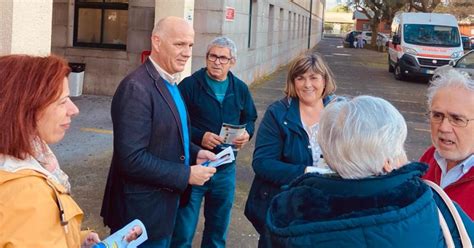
[(329, 171), (355, 40)]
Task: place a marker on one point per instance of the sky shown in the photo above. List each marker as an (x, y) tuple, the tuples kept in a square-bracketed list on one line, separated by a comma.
[(331, 3)]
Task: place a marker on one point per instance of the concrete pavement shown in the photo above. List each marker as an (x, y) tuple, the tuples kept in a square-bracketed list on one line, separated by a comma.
[(86, 151)]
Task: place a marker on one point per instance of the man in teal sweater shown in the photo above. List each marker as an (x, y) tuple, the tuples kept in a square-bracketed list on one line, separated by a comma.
[(213, 96)]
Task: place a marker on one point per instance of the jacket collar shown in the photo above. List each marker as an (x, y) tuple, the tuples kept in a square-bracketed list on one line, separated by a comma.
[(12, 168), (172, 79), (161, 87), (338, 185), (150, 68), (322, 203), (200, 77), (293, 112)]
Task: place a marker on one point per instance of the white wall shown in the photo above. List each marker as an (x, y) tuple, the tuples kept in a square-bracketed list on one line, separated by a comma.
[(25, 27)]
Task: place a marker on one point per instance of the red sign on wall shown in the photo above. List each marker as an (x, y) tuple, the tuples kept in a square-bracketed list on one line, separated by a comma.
[(229, 14)]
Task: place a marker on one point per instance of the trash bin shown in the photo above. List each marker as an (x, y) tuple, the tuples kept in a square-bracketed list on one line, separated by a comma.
[(76, 78)]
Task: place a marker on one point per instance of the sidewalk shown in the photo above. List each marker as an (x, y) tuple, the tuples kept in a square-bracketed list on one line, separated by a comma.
[(86, 151)]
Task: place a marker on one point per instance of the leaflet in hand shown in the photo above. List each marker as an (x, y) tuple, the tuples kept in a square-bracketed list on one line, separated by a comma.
[(132, 235), (224, 157), (229, 132)]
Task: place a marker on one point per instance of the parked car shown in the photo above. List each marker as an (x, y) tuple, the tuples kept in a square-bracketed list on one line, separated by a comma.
[(466, 42), (465, 63), (367, 37)]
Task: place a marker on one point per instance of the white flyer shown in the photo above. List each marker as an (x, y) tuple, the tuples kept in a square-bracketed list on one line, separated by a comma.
[(224, 157), (229, 132)]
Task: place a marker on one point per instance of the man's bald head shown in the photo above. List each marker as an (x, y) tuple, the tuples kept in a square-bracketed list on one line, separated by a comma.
[(171, 41), (164, 25)]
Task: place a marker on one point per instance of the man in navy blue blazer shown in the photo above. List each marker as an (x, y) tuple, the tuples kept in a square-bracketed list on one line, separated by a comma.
[(152, 147)]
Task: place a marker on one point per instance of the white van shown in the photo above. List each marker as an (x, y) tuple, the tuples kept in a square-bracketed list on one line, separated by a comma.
[(421, 42)]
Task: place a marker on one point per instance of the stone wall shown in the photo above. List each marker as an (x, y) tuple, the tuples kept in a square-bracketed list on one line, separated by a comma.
[(278, 34), (105, 68)]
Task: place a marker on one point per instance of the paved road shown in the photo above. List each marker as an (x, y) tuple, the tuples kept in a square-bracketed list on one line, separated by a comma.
[(86, 151)]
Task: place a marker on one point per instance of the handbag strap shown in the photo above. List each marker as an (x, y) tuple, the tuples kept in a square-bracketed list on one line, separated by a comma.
[(465, 240), (444, 227)]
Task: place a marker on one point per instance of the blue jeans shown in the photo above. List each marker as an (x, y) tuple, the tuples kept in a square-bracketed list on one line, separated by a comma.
[(218, 193)]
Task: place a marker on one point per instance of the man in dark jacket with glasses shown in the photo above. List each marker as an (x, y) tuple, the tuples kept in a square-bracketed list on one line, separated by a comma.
[(214, 96)]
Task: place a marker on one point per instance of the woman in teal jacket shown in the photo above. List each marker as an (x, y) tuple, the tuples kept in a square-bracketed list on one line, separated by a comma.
[(374, 198), (283, 149)]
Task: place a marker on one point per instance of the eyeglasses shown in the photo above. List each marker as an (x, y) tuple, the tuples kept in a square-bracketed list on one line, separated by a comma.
[(455, 120), (222, 59)]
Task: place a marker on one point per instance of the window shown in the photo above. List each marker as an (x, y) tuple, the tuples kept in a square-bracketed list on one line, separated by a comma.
[(280, 25), (431, 35), (295, 22), (290, 15), (101, 23), (252, 41), (271, 19)]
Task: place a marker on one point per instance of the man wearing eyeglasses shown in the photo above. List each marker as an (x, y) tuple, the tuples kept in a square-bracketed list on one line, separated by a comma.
[(213, 96), (451, 105)]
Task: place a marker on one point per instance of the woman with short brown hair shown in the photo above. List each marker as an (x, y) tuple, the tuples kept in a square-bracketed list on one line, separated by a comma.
[(286, 144)]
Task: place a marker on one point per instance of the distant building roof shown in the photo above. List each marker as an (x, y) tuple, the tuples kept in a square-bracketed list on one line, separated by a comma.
[(338, 17), (359, 16)]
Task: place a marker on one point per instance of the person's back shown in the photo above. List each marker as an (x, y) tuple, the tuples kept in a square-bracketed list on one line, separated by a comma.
[(374, 212)]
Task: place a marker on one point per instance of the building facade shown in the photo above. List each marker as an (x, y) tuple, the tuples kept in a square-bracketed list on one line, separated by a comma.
[(109, 36), (338, 23), (362, 23)]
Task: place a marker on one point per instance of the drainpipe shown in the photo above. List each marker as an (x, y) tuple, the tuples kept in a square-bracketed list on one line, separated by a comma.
[(310, 19)]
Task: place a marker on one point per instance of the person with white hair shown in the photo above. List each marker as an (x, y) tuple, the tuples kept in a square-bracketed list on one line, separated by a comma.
[(375, 198), (451, 114)]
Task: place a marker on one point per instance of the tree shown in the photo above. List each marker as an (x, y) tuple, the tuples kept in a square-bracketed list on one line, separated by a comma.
[(423, 5), (384, 10), (378, 11), (459, 8), (340, 8)]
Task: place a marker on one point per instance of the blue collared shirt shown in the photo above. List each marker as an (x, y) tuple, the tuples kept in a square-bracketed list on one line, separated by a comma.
[(455, 173), (171, 85)]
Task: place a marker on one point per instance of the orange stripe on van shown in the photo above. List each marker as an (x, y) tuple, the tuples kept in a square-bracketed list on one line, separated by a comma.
[(433, 55)]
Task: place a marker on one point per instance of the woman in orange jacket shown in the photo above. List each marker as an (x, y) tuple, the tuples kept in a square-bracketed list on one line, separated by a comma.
[(36, 208)]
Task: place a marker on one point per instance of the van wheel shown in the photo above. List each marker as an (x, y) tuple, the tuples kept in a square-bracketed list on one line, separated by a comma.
[(397, 72), (390, 66)]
